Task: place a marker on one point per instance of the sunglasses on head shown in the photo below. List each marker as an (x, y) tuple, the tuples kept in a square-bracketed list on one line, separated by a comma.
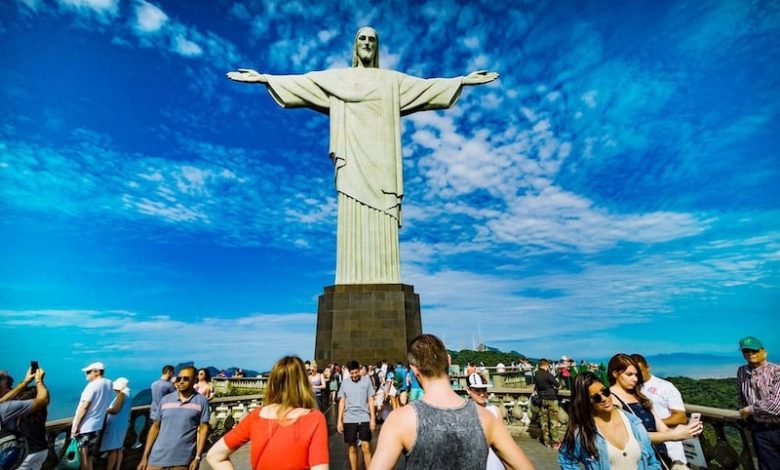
[(601, 395), (183, 379)]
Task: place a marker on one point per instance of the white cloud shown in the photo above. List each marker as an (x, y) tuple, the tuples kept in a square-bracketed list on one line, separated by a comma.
[(104, 10), (148, 17), (185, 47), (253, 340)]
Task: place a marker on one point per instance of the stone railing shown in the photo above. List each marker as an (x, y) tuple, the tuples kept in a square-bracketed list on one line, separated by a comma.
[(225, 412), (239, 386), (726, 441)]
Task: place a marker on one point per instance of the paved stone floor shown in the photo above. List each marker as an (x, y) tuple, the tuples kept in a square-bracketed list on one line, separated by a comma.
[(543, 458)]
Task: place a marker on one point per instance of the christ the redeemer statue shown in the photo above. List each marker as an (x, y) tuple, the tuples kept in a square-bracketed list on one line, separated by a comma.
[(365, 104)]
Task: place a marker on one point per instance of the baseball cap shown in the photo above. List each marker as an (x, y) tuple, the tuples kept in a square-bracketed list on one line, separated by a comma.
[(477, 381), (94, 366), (750, 342)]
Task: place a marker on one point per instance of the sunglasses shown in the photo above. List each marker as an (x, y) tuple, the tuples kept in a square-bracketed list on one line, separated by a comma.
[(87, 372), (601, 396), (183, 379), (749, 351)]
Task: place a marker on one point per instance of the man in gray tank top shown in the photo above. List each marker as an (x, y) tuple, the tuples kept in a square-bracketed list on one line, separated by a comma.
[(442, 431)]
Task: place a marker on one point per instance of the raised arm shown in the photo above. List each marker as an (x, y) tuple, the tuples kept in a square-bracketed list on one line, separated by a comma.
[(247, 76), (479, 77)]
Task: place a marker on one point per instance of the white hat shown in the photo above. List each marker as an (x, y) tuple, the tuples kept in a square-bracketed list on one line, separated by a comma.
[(94, 366), (564, 358), (120, 384), (477, 381)]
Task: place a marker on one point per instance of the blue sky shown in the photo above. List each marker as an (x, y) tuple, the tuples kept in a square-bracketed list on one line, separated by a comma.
[(615, 190)]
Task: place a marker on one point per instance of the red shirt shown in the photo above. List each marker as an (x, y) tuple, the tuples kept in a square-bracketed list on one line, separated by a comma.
[(295, 446)]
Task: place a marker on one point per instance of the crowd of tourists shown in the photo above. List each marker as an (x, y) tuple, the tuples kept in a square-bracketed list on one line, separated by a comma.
[(626, 418)]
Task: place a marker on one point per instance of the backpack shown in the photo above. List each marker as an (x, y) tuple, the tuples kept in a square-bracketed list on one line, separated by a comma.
[(13, 450)]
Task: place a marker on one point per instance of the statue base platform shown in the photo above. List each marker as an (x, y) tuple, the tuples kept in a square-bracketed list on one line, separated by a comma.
[(366, 322)]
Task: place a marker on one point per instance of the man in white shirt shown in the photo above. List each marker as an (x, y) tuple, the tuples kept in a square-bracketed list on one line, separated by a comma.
[(478, 391), (91, 412), (667, 405)]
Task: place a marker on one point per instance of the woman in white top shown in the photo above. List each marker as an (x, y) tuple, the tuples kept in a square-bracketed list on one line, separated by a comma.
[(601, 436)]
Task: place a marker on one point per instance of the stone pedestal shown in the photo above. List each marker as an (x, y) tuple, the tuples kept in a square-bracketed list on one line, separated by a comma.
[(366, 322)]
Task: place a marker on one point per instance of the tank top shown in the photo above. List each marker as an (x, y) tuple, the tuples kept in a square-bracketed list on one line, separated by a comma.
[(447, 438), (316, 382), (648, 420), (627, 458)]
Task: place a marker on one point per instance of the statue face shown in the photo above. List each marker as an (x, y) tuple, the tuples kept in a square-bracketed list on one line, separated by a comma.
[(366, 45)]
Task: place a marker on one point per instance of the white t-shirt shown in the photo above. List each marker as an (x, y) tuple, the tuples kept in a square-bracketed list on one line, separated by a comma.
[(666, 397), (99, 395), (493, 462)]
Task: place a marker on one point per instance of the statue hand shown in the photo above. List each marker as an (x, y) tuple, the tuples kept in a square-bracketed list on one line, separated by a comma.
[(247, 76), (479, 77)]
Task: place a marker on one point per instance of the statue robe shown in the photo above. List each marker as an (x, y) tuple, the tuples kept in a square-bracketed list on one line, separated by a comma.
[(365, 106)]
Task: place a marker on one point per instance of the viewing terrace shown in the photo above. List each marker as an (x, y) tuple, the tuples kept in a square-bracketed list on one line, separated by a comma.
[(726, 441)]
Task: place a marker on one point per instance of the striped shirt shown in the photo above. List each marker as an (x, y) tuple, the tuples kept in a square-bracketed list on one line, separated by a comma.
[(759, 388)]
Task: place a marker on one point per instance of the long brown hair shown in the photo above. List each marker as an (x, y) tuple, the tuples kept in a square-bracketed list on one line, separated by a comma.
[(581, 423), (288, 386), (617, 365)]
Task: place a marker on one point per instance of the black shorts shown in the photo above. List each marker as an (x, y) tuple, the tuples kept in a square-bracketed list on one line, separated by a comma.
[(354, 430), (87, 440)]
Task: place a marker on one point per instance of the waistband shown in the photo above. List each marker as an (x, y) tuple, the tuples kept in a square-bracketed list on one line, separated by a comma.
[(759, 426)]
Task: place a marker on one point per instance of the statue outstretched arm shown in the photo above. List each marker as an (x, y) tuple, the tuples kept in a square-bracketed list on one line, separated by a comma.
[(247, 76), (479, 77)]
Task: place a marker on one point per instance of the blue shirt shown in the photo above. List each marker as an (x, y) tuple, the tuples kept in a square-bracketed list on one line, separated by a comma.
[(569, 459), (11, 410), (179, 421), (400, 378), (160, 388)]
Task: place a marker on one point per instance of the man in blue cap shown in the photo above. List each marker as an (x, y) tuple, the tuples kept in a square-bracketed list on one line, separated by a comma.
[(759, 397)]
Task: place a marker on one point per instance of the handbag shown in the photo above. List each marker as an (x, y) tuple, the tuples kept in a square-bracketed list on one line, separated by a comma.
[(71, 459)]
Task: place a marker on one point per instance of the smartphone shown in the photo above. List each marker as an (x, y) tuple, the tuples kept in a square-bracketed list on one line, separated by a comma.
[(695, 418), (33, 366)]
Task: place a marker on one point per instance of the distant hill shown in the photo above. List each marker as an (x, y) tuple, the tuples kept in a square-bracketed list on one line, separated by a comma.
[(214, 370), (144, 397), (676, 358)]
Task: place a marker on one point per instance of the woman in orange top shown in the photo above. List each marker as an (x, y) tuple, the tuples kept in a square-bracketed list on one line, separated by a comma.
[(287, 432)]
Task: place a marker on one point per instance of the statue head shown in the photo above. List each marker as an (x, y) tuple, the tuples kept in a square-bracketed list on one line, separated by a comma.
[(366, 50)]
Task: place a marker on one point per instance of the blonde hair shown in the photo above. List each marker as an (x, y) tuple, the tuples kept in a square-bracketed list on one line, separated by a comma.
[(355, 58), (288, 386)]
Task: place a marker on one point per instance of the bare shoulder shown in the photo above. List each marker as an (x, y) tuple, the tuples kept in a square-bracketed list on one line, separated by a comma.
[(402, 424), (488, 421)]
